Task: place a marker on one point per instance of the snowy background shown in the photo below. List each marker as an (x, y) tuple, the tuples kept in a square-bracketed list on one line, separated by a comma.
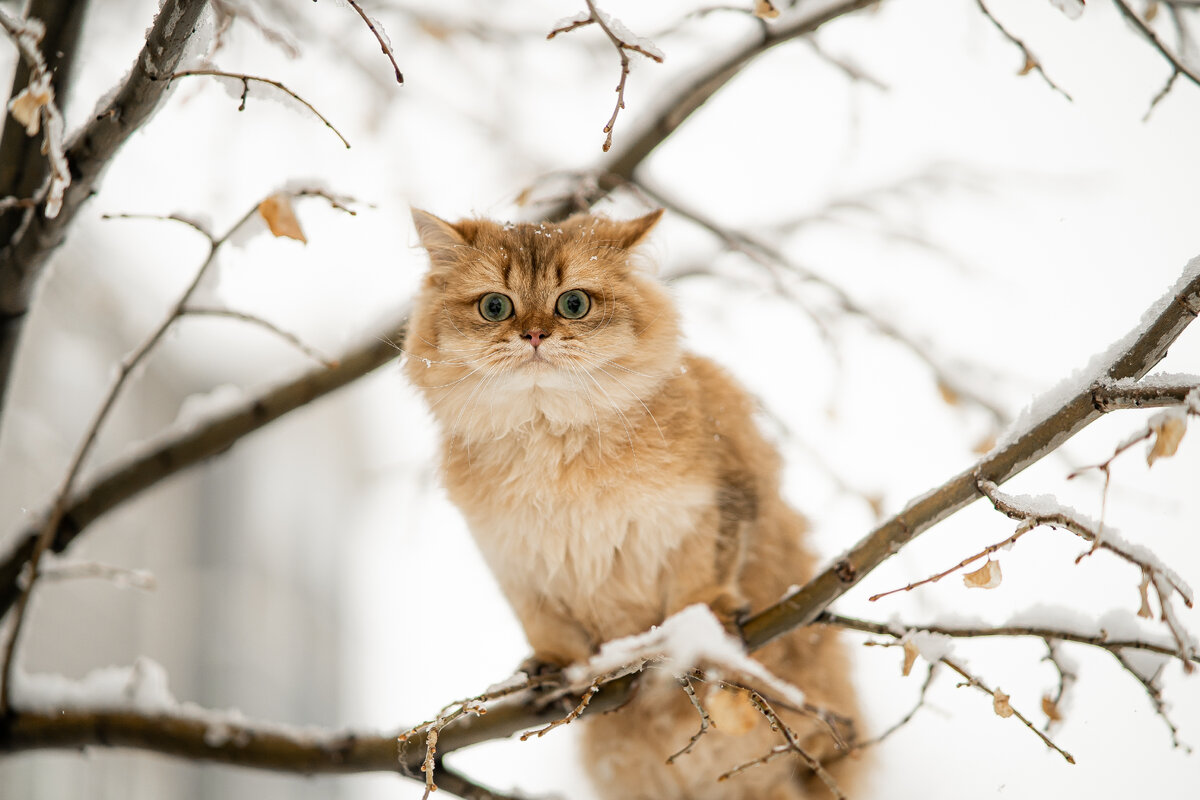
[(316, 573)]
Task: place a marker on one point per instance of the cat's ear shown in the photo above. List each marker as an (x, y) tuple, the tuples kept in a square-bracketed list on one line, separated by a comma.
[(438, 237), (630, 233)]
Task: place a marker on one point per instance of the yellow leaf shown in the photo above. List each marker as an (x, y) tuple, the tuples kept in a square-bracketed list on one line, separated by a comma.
[(26, 107), (1168, 431), (277, 212), (765, 9), (1050, 709), (730, 710), (910, 657), (1000, 704), (986, 577)]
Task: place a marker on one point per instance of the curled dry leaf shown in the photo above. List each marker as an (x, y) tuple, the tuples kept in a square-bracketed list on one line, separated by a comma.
[(730, 709), (1144, 590), (765, 9), (986, 577), (1168, 430), (1049, 708), (27, 106), (1030, 66), (277, 212), (910, 657), (1000, 704)]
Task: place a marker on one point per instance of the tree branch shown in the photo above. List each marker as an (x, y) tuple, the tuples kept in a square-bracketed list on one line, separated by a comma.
[(24, 256), (126, 481), (675, 109), (1134, 356)]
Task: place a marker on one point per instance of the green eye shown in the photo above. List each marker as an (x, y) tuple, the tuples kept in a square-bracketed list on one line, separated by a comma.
[(573, 304), (495, 307)]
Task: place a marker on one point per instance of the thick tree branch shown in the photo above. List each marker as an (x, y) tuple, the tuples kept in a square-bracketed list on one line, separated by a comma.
[(24, 255), (1134, 356)]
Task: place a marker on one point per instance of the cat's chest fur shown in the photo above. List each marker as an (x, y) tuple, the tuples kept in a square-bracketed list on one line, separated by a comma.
[(581, 516)]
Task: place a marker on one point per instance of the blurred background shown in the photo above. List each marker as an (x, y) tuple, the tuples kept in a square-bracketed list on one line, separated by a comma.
[(316, 574)]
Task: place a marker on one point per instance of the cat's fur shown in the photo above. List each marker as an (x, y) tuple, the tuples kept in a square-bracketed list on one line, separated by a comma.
[(612, 479)]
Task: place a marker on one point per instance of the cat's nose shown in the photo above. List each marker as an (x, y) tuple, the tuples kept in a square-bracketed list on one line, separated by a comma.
[(535, 336)]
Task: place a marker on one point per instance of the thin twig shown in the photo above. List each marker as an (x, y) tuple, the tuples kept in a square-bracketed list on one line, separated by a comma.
[(384, 45), (987, 551), (604, 22), (912, 712), (247, 79), (972, 681), (1031, 61), (705, 720), (252, 319)]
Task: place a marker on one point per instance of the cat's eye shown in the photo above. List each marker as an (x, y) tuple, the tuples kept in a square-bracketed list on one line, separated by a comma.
[(495, 307), (573, 304)]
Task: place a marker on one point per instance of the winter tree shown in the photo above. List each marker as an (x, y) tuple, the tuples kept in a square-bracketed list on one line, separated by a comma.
[(949, 246)]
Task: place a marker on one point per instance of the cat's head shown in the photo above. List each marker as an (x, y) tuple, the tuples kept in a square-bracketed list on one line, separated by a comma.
[(522, 324)]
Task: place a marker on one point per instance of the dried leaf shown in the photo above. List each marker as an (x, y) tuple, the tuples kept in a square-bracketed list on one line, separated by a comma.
[(1049, 708), (910, 657), (1151, 12), (1000, 704), (1030, 66), (1168, 430), (26, 107), (523, 196), (277, 212), (731, 710), (1144, 590), (765, 9), (949, 396), (986, 577)]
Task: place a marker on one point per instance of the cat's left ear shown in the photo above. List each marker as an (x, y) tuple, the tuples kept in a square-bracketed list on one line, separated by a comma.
[(630, 233)]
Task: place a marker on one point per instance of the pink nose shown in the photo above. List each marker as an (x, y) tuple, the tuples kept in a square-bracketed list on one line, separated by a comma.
[(535, 336)]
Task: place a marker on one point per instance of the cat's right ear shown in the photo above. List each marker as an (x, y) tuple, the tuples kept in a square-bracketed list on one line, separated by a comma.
[(438, 237)]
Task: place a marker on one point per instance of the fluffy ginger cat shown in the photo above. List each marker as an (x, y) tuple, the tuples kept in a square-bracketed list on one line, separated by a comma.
[(611, 479)]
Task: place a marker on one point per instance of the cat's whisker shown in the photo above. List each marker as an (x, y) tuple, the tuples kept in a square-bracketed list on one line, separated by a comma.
[(612, 362), (635, 396), (587, 393), (624, 419)]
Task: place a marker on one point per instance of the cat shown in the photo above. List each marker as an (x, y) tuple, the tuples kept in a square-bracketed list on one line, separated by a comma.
[(611, 479)]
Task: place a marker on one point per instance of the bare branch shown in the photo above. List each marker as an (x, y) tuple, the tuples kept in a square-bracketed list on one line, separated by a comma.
[(681, 103), (246, 81), (1177, 63), (384, 44), (616, 35), (287, 336), (1031, 61)]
